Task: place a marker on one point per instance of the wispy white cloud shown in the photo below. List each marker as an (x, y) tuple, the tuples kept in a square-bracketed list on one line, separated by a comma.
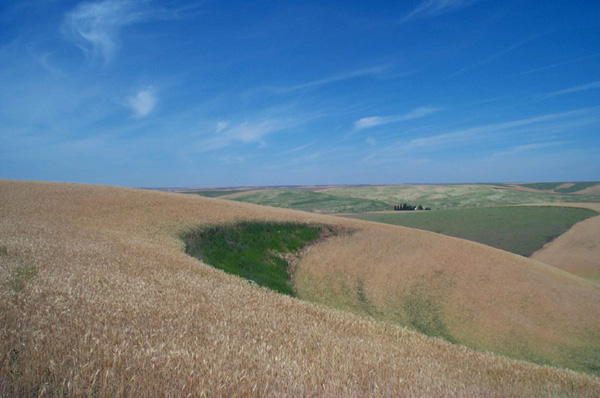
[(251, 132), (583, 87), (433, 8), (537, 130), (95, 26), (372, 71), (221, 126), (477, 133), (530, 149), (367, 122), (44, 59), (299, 148), (373, 121), (143, 102), (493, 57), (539, 145), (371, 141), (557, 64), (232, 159), (311, 158)]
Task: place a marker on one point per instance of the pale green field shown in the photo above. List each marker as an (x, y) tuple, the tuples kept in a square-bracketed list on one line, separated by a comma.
[(457, 196), (378, 198), (315, 202)]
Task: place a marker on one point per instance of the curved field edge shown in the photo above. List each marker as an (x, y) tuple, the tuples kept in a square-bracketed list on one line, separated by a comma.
[(562, 187), (578, 250), (518, 229), (117, 308)]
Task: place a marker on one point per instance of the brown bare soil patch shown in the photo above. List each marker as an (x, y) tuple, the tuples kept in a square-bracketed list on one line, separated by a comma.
[(116, 308), (578, 250)]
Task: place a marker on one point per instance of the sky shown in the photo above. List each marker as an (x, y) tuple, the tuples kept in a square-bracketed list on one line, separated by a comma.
[(234, 93)]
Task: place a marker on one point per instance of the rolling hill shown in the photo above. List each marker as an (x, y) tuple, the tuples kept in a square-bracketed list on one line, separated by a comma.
[(98, 298), (578, 250), (357, 199)]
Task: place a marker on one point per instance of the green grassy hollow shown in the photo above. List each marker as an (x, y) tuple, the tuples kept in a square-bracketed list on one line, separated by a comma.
[(253, 250)]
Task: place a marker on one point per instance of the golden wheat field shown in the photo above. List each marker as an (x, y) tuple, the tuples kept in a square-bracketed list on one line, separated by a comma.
[(98, 298)]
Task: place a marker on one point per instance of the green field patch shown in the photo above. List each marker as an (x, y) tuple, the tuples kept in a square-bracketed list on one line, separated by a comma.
[(20, 275), (553, 186), (253, 250), (214, 194), (543, 186), (577, 186), (317, 202), (520, 230)]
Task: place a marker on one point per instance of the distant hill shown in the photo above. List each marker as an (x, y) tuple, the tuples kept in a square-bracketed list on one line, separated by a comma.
[(367, 198), (562, 187)]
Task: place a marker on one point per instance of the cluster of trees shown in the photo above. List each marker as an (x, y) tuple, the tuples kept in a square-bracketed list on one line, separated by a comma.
[(407, 207)]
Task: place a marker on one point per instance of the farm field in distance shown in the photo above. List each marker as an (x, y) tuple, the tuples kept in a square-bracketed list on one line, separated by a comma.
[(214, 193), (359, 199), (315, 202), (519, 229)]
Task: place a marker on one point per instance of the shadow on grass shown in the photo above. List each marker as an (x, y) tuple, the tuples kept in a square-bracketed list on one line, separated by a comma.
[(258, 251)]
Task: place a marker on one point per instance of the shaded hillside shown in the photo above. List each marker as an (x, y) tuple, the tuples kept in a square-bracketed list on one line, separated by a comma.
[(517, 229), (99, 298), (560, 187), (578, 250)]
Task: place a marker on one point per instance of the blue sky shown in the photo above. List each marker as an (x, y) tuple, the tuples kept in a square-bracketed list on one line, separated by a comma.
[(229, 93)]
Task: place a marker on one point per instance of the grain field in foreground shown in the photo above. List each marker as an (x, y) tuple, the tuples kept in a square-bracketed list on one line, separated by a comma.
[(97, 298)]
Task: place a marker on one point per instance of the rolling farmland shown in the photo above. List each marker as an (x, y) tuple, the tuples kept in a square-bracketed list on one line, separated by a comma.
[(99, 298), (360, 199)]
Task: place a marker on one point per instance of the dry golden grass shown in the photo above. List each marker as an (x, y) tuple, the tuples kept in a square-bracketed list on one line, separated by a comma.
[(578, 250), (117, 308), (486, 298)]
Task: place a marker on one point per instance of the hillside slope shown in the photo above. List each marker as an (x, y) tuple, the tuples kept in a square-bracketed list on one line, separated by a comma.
[(459, 290), (578, 250), (98, 298)]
